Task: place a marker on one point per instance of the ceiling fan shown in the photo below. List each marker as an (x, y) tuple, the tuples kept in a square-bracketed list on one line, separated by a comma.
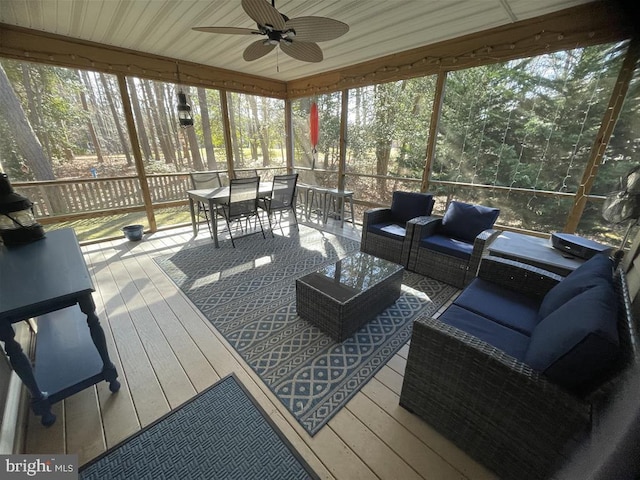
[(297, 37)]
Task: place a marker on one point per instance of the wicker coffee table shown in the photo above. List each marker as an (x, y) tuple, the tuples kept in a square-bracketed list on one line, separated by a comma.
[(342, 297)]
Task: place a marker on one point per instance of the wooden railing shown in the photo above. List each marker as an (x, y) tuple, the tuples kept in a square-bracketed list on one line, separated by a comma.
[(62, 198), (84, 197)]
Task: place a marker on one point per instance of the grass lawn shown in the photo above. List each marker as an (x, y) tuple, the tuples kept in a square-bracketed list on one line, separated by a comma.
[(92, 229)]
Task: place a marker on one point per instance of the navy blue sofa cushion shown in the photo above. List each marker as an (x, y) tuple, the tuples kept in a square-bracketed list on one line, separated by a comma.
[(597, 270), (503, 338), (578, 342), (448, 246), (465, 221), (389, 229), (408, 205), (511, 309)]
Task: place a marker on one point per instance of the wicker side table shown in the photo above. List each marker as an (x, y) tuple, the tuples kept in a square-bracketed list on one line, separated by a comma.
[(342, 297)]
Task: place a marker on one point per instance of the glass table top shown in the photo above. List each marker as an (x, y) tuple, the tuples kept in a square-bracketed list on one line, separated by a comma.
[(351, 275)]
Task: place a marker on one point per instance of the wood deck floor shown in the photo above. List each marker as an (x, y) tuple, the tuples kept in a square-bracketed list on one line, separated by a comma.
[(166, 352)]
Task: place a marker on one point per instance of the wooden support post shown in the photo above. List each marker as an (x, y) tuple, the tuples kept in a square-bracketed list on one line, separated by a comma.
[(224, 104), (343, 139), (604, 134), (137, 155), (288, 133), (436, 113)]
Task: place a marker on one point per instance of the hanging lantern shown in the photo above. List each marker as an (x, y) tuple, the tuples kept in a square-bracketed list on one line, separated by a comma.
[(184, 111), (17, 224), (314, 132)]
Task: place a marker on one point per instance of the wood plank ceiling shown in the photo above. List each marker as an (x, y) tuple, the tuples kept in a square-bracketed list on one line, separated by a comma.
[(163, 27)]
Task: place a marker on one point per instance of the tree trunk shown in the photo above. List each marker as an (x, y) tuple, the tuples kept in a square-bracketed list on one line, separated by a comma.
[(143, 139), (206, 129), (254, 127), (102, 130), (161, 116), (167, 152), (92, 130), (235, 145), (192, 139), (116, 119), (153, 134), (25, 138), (264, 135)]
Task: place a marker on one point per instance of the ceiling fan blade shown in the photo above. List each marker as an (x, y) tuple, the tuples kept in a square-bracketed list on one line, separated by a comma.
[(316, 29), (256, 50), (228, 30), (263, 13), (305, 51)]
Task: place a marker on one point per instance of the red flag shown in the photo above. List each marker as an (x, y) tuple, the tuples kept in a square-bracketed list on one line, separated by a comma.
[(313, 123)]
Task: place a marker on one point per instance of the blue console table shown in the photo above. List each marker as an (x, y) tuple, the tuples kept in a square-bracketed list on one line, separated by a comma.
[(48, 279)]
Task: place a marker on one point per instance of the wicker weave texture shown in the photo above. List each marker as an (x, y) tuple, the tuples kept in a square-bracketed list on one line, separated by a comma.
[(390, 249), (384, 247), (341, 319), (497, 409), (455, 271), (523, 278), (378, 245)]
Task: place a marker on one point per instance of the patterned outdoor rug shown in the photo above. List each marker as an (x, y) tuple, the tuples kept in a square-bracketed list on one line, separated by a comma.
[(248, 294), (220, 433)]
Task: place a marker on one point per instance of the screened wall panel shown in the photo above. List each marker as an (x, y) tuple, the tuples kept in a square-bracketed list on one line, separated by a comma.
[(387, 127), (312, 165), (257, 131), (528, 123)]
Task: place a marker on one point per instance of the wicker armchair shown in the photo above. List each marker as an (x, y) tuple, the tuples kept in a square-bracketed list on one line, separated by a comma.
[(501, 412), (450, 248), (385, 231)]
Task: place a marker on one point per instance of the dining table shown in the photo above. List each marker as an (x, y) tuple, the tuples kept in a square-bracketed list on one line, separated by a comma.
[(214, 197)]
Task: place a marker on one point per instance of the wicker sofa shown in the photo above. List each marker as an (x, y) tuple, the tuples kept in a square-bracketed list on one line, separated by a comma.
[(479, 388)]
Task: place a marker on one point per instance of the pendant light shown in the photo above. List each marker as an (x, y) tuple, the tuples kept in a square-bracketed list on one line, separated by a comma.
[(184, 109)]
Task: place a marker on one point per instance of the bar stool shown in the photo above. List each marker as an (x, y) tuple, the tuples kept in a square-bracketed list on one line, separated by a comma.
[(335, 201), (302, 195), (317, 201)]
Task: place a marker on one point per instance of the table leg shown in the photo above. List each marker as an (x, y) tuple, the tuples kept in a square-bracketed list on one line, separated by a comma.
[(22, 366), (213, 213), (353, 217), (97, 335), (325, 207), (193, 216)]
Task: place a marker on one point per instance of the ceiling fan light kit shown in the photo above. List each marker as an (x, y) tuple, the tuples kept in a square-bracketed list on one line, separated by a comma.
[(297, 37)]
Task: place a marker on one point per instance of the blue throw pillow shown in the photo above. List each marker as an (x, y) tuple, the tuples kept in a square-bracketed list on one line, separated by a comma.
[(465, 221), (408, 205), (595, 271), (578, 343)]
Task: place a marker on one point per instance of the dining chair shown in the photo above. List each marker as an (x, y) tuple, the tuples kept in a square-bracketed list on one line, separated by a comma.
[(224, 179), (242, 205), (282, 197), (202, 181)]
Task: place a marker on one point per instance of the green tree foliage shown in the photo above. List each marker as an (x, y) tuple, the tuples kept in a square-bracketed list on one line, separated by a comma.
[(527, 123), (49, 97), (388, 126), (257, 127)]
